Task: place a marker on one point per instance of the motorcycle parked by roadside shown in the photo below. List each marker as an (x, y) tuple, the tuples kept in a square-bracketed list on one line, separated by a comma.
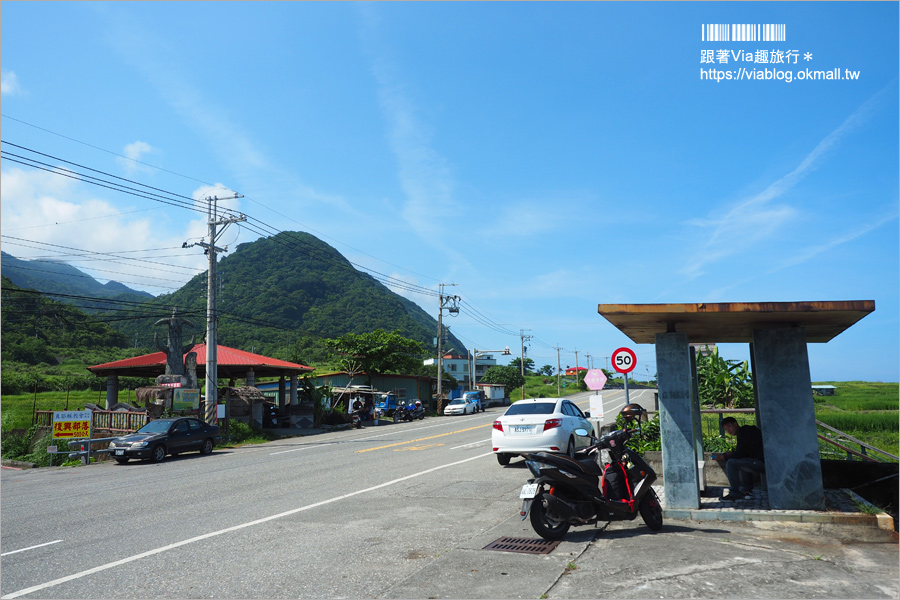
[(606, 482), (415, 410)]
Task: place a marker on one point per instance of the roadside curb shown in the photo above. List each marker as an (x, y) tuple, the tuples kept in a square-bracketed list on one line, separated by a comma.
[(18, 464)]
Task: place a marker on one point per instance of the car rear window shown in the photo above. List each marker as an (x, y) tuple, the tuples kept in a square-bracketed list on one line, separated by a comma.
[(531, 408)]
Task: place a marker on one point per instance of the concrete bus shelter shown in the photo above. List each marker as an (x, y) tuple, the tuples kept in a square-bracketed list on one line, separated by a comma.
[(778, 334)]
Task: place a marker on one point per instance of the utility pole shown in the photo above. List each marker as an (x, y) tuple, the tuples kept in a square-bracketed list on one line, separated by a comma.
[(451, 304), (576, 367), (212, 366), (558, 365), (522, 338)]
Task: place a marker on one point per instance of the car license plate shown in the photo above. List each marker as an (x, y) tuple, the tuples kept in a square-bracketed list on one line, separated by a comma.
[(120, 452), (522, 429), (529, 490)]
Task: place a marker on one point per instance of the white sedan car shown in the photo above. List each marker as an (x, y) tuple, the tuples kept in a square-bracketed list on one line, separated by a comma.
[(540, 425), (460, 406)]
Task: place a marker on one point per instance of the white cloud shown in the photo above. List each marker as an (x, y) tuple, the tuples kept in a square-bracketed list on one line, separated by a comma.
[(48, 216), (134, 154), (9, 84), (425, 175), (757, 219)]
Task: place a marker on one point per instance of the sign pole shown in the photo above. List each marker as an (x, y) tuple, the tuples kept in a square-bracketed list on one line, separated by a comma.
[(627, 399)]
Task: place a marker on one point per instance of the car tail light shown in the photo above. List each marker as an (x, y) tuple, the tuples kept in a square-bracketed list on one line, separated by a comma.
[(498, 425), (552, 423)]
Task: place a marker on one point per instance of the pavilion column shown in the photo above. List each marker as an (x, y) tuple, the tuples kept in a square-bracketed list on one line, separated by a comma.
[(112, 390), (676, 421), (294, 389), (788, 419), (281, 392), (251, 378)]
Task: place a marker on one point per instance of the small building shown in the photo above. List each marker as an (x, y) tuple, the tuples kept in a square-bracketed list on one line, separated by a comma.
[(823, 390), (405, 387), (571, 371)]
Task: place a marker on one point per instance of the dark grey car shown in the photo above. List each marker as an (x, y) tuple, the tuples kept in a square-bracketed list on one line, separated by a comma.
[(158, 438)]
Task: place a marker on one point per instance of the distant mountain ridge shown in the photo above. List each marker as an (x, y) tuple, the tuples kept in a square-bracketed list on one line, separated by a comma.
[(61, 278), (279, 296)]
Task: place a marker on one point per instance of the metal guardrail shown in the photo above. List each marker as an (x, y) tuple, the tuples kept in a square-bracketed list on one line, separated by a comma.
[(839, 439), (85, 454)]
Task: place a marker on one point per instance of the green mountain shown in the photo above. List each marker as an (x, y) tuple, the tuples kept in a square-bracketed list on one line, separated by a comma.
[(35, 329), (61, 278), (282, 294)]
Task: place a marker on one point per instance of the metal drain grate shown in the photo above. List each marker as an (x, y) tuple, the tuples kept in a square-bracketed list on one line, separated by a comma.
[(522, 545)]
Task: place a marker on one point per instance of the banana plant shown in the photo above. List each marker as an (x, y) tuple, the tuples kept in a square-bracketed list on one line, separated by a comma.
[(725, 383)]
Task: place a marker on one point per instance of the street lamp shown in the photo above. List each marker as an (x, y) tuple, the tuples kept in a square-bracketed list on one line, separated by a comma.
[(475, 355)]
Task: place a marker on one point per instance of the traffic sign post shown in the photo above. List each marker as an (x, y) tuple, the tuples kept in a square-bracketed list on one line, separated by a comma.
[(624, 361), (595, 379)]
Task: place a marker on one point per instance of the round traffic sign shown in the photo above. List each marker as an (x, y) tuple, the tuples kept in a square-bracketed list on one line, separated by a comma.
[(624, 360)]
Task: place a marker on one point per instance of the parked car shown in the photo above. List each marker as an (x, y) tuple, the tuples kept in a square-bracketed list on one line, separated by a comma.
[(540, 425), (477, 398), (160, 437), (460, 406)]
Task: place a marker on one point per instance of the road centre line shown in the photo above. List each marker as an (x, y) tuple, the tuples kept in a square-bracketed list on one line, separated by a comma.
[(423, 439), (363, 439), (30, 548), (161, 549)]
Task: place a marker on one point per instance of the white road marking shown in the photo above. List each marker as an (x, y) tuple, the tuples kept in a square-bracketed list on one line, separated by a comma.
[(470, 445), (30, 548), (160, 550)]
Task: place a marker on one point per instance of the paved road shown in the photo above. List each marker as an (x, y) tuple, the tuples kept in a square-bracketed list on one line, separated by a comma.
[(396, 511)]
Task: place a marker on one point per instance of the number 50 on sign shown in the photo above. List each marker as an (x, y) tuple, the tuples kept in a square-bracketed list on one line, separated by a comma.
[(624, 360)]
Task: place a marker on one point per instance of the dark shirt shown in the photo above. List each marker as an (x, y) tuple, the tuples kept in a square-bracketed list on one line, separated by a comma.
[(749, 443)]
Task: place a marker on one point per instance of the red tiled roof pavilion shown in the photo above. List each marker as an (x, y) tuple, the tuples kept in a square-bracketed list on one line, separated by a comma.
[(232, 363)]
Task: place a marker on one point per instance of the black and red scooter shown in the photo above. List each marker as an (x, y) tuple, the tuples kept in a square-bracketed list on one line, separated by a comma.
[(606, 482)]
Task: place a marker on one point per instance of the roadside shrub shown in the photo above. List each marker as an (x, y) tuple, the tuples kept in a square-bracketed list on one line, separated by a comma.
[(15, 446), (240, 432)]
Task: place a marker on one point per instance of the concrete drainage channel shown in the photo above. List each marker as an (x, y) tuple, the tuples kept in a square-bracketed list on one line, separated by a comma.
[(522, 545)]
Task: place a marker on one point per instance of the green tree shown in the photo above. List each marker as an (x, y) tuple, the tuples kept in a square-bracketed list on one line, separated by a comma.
[(509, 376), (546, 371), (517, 363), (722, 382), (377, 352)]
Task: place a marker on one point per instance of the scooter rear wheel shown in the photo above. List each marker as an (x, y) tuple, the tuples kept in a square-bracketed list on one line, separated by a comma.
[(651, 510), (543, 524)]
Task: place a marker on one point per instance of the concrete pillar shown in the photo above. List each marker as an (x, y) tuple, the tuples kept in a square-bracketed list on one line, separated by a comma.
[(112, 390), (676, 421), (251, 378), (281, 392), (294, 401), (793, 469)]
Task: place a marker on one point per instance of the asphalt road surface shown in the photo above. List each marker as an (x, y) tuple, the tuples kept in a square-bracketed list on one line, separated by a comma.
[(378, 512)]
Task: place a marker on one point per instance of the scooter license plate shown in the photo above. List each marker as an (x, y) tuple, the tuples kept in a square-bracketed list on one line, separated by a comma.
[(529, 490)]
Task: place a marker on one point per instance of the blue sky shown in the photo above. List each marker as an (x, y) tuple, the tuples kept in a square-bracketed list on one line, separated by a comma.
[(543, 157)]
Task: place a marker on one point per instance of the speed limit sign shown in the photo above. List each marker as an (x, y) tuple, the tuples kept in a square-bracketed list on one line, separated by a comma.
[(624, 360)]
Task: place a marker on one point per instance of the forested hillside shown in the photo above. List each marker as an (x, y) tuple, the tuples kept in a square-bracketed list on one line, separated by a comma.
[(278, 296)]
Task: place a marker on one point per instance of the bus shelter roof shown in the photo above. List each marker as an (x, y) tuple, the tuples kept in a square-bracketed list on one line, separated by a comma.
[(734, 322)]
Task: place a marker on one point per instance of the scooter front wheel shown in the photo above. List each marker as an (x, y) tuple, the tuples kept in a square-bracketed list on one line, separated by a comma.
[(544, 525), (651, 510)]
